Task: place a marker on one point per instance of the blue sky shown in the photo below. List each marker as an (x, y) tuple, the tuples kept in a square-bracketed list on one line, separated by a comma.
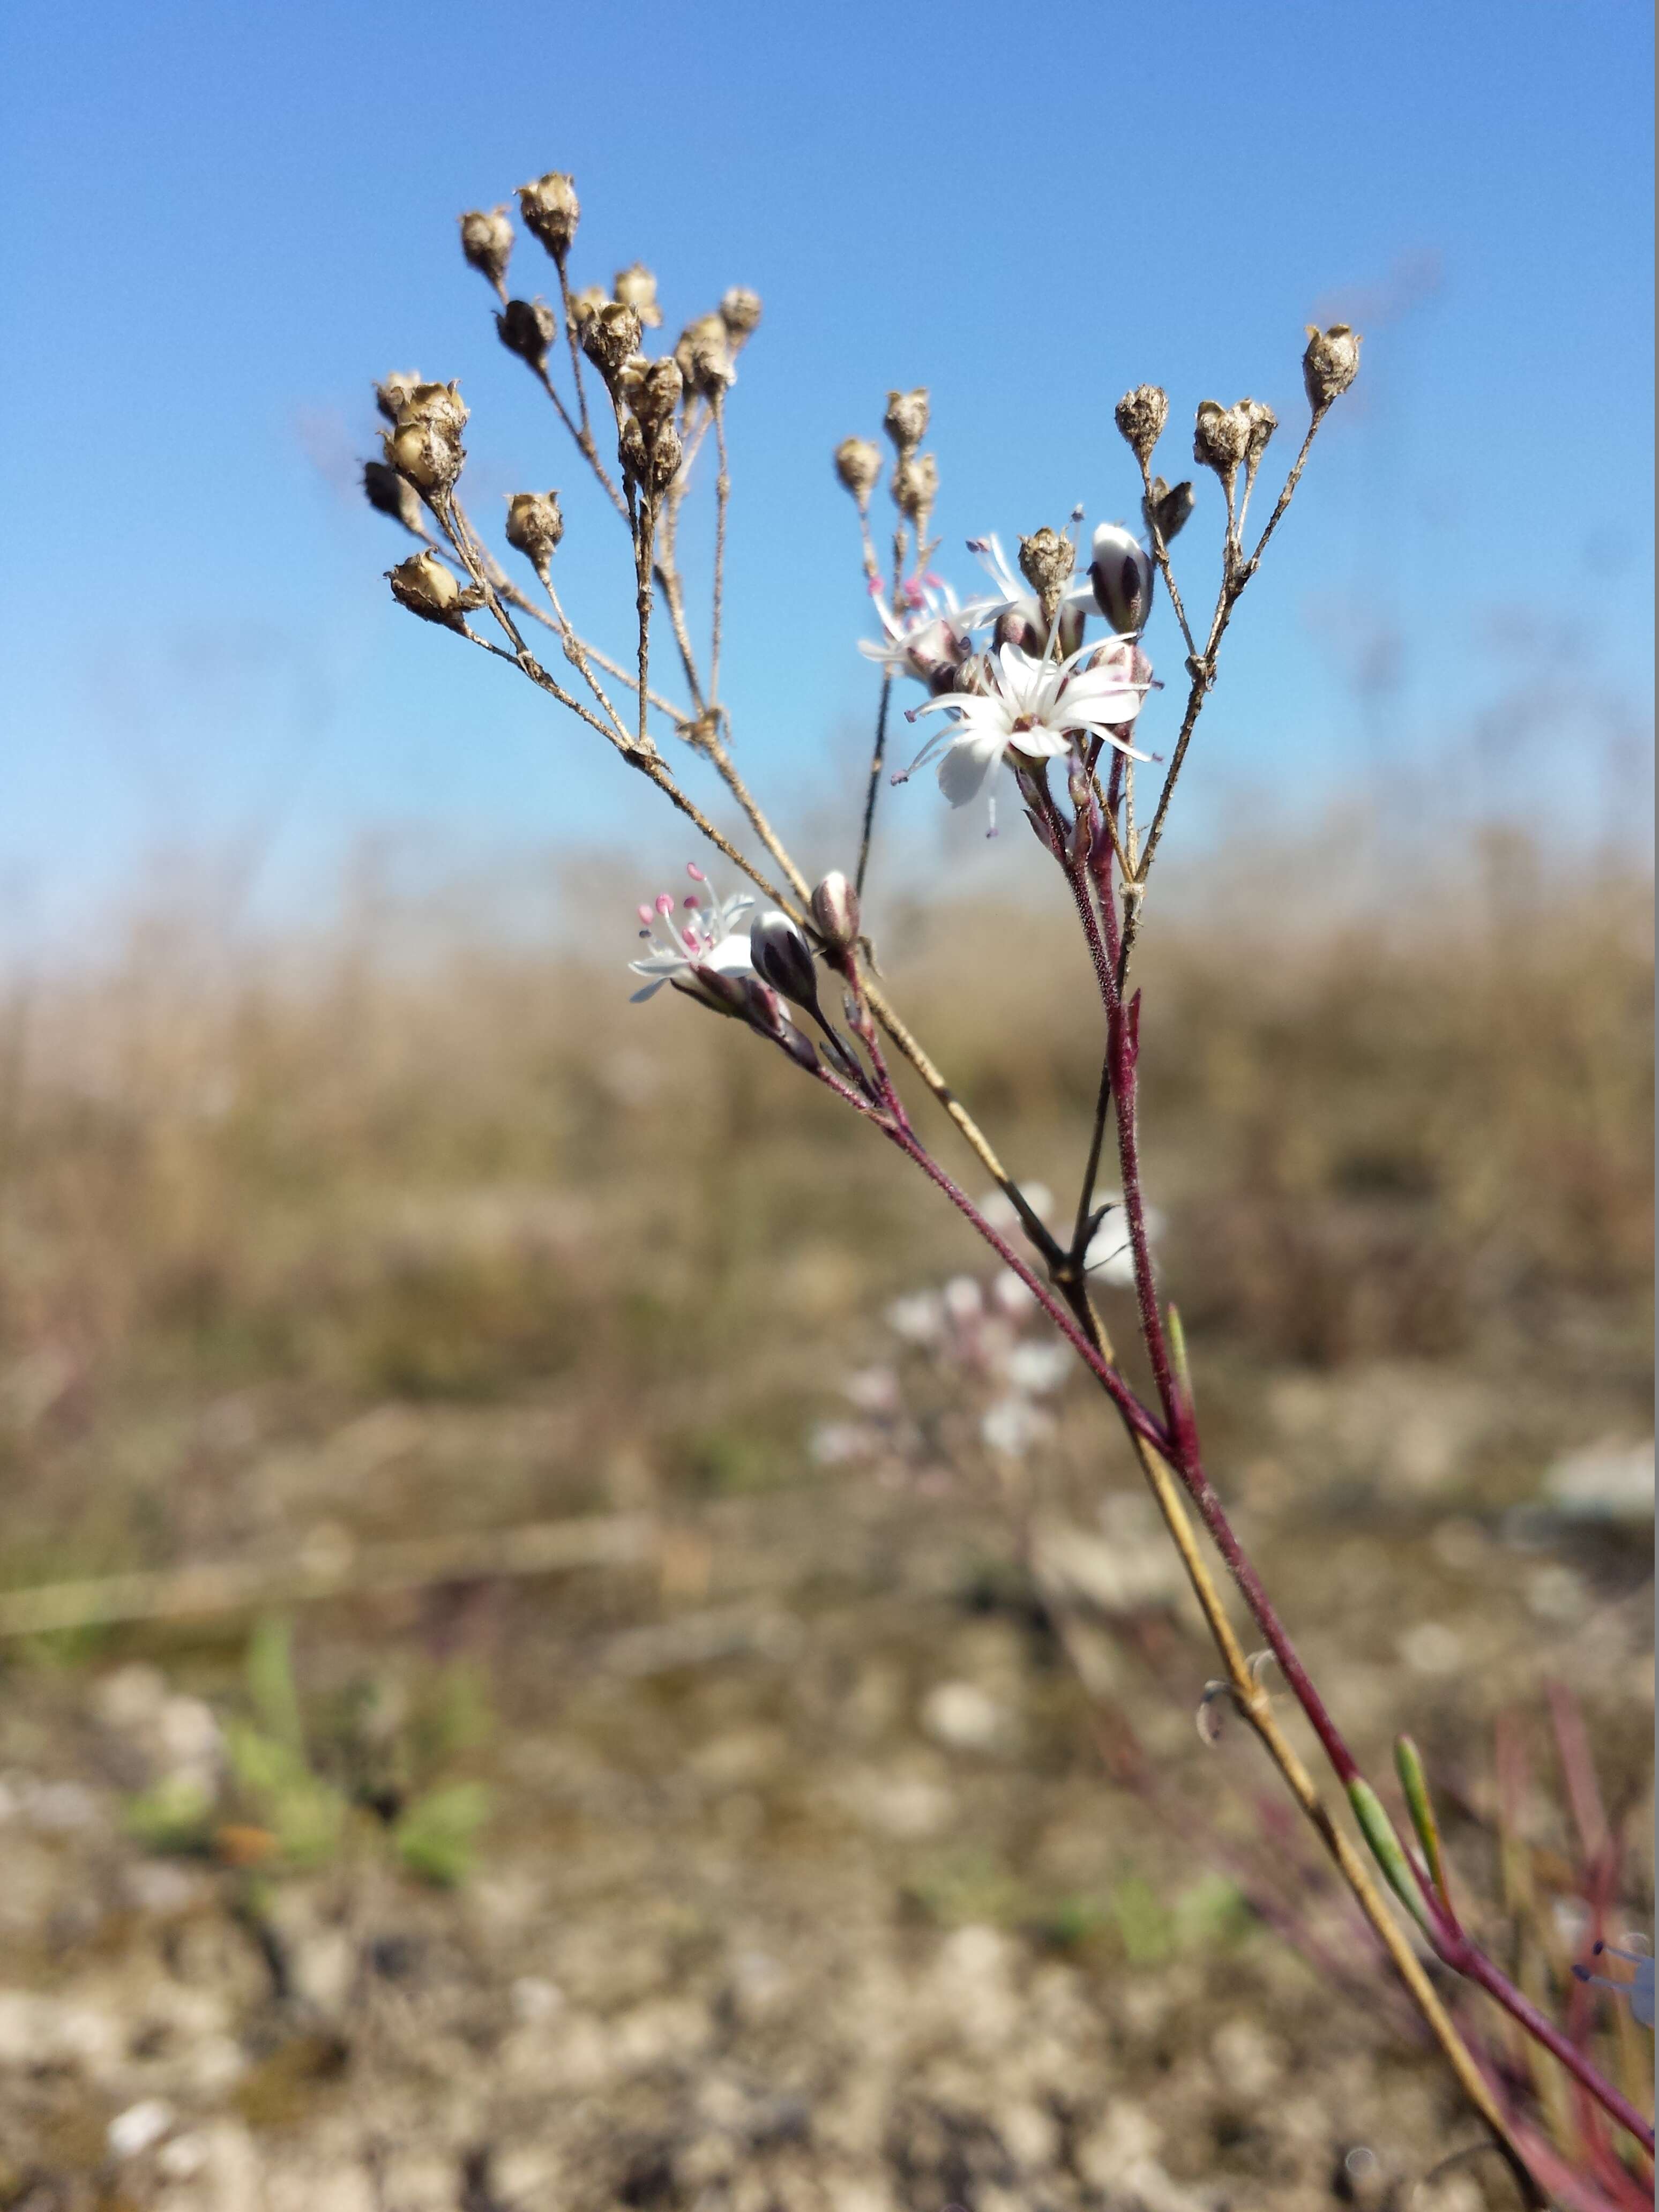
[(227, 220)]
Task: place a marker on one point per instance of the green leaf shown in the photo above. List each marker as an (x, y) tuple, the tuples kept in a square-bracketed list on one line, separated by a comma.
[(434, 1838), (1386, 1848)]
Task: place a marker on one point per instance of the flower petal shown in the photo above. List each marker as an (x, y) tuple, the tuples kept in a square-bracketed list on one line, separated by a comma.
[(963, 771)]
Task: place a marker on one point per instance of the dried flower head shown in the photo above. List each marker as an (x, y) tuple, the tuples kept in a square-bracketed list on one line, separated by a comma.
[(704, 354), (1261, 423), (428, 588), (527, 328), (1330, 364), (1221, 437), (609, 337), (1168, 507), (424, 443), (636, 288), (1122, 573), (836, 910), (653, 389), (392, 392), (740, 311), (551, 210), (858, 464), (487, 243), (1046, 561), (906, 420), (587, 302), (914, 487), (534, 527), (1141, 415), (388, 493)]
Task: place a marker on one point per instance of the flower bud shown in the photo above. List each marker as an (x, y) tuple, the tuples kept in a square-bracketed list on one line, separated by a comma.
[(1261, 423), (1141, 415), (550, 208), (858, 464), (836, 910), (428, 588), (1046, 561), (388, 493), (914, 487), (608, 337), (487, 243), (527, 328), (534, 527), (1219, 439), (782, 957), (1122, 573), (1168, 507), (740, 311), (1330, 364), (906, 420), (704, 355), (763, 1008), (636, 288)]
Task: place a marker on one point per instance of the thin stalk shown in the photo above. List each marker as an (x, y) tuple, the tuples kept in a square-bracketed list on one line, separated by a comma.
[(722, 498), (872, 789)]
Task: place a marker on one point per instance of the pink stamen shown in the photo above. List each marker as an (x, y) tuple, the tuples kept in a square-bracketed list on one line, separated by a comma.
[(665, 905), (696, 873), (645, 914), (692, 905)]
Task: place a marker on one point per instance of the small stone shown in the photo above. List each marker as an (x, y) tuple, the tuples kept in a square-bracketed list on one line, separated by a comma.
[(960, 1716), (139, 2128)]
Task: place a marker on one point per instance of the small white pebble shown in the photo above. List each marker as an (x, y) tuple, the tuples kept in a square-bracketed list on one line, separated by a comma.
[(1432, 1648)]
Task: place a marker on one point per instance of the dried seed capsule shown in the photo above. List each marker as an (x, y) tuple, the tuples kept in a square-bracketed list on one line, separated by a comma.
[(1141, 415), (551, 208), (1121, 575), (740, 311), (653, 389), (636, 288), (914, 487), (527, 328), (1046, 561), (424, 444), (1330, 364), (704, 355), (782, 957), (664, 453), (1168, 508), (836, 910), (391, 393), (858, 464), (609, 337), (388, 493), (1261, 423), (487, 243), (534, 527), (1219, 439), (428, 588), (587, 302), (906, 420)]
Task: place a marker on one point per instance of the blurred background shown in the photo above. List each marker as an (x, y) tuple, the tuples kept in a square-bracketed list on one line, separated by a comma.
[(521, 1685)]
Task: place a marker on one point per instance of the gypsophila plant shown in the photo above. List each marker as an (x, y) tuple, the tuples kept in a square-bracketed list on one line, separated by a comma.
[(1041, 672)]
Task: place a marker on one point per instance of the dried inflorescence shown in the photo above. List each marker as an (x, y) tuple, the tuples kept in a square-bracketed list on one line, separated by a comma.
[(487, 243), (424, 442), (1330, 364), (858, 465), (550, 211), (534, 526), (427, 589), (1141, 415), (529, 329)]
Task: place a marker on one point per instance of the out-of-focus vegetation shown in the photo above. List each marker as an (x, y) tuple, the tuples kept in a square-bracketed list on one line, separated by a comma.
[(249, 1198)]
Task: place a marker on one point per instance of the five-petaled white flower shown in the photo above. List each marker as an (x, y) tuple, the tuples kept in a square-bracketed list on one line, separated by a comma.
[(713, 934), (1037, 708), (927, 639)]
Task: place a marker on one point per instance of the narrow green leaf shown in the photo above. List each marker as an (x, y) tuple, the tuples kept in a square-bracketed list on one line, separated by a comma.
[(1408, 1765), (1386, 1848)]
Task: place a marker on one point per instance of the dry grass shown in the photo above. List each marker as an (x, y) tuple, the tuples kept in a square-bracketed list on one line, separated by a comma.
[(250, 1198)]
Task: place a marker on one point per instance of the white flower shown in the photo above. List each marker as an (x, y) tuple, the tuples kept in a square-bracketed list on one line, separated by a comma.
[(707, 932), (919, 1319), (1013, 1425), (1036, 1369), (1012, 607), (1037, 708), (930, 642), (964, 1301)]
